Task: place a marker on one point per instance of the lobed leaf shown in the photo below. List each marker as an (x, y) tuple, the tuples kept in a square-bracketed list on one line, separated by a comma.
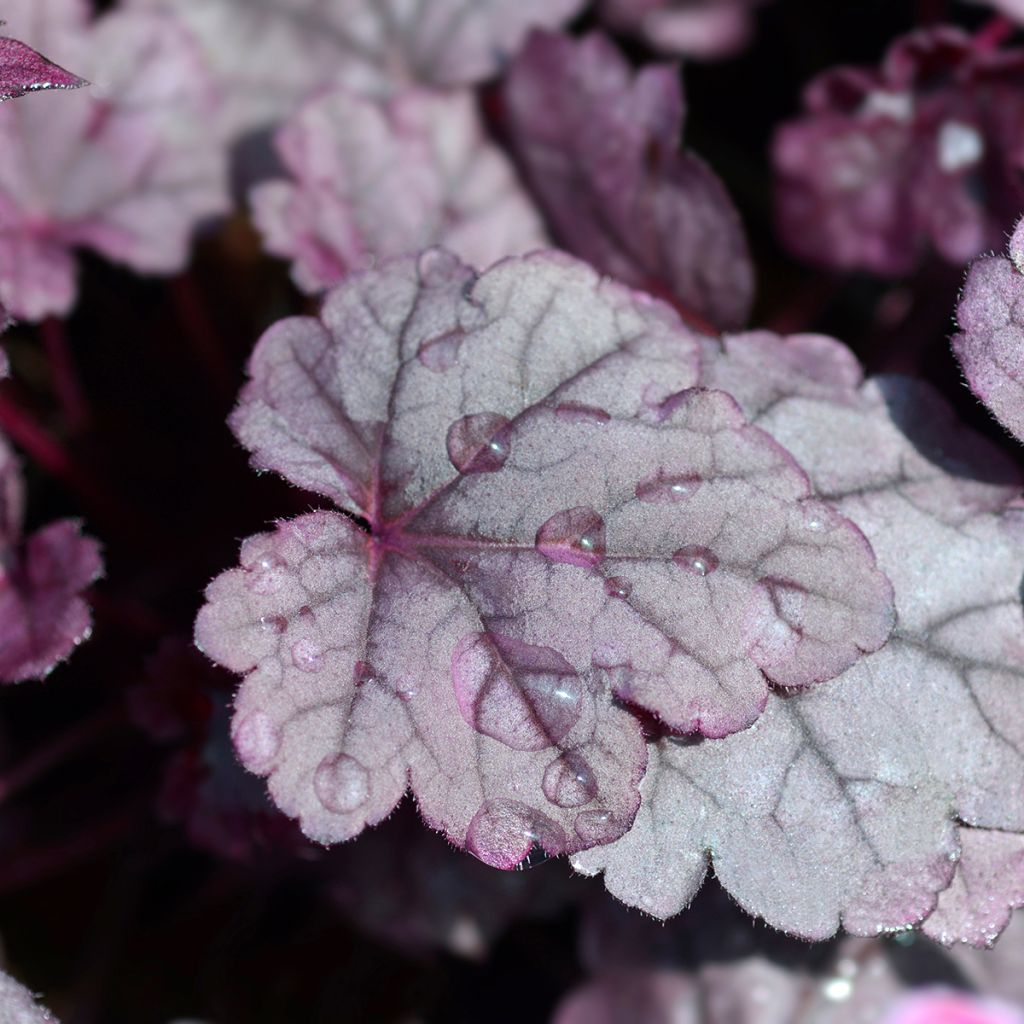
[(18, 1005), (838, 806), (374, 178), (543, 515)]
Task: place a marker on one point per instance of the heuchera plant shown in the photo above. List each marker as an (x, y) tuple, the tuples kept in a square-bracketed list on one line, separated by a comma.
[(551, 555)]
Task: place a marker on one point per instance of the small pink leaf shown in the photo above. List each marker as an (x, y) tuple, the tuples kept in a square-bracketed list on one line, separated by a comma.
[(23, 70), (870, 752), (126, 167), (377, 178), (42, 614), (938, 1006), (990, 345), (600, 145), (498, 580)]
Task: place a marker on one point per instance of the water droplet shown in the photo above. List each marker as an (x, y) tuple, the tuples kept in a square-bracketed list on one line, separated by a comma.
[(257, 740), (341, 783), (696, 559), (441, 352), (406, 688), (363, 673), (666, 488), (568, 781), (267, 573), (618, 586), (596, 826), (524, 696), (504, 832), (273, 624), (478, 443), (576, 412), (573, 537), (307, 655)]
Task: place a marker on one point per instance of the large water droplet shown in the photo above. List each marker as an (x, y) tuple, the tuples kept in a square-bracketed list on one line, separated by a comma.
[(438, 268), (568, 781), (665, 488), (574, 537), (504, 832), (478, 443), (257, 740), (618, 586), (696, 559), (522, 695), (576, 412), (441, 352), (307, 655), (596, 826), (341, 783)]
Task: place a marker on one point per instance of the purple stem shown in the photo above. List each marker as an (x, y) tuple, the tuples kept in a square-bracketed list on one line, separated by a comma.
[(66, 385)]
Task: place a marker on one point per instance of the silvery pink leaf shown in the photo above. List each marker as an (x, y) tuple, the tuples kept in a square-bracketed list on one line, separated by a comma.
[(272, 54), (990, 345), (889, 753), (693, 28), (988, 885), (18, 1005), (547, 514), (920, 154), (383, 177), (123, 168), (996, 971), (600, 145), (23, 70), (406, 886), (42, 614)]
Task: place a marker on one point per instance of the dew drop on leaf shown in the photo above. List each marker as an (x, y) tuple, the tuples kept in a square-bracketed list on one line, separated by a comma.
[(257, 740), (618, 586), (576, 412), (568, 781), (664, 488), (307, 655), (441, 353), (341, 783), (477, 443), (573, 537), (595, 827), (696, 559)]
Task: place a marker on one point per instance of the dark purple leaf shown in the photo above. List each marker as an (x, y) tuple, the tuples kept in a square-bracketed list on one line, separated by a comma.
[(601, 147)]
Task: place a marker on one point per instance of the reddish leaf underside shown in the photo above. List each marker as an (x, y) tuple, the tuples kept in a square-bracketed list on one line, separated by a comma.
[(547, 516)]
